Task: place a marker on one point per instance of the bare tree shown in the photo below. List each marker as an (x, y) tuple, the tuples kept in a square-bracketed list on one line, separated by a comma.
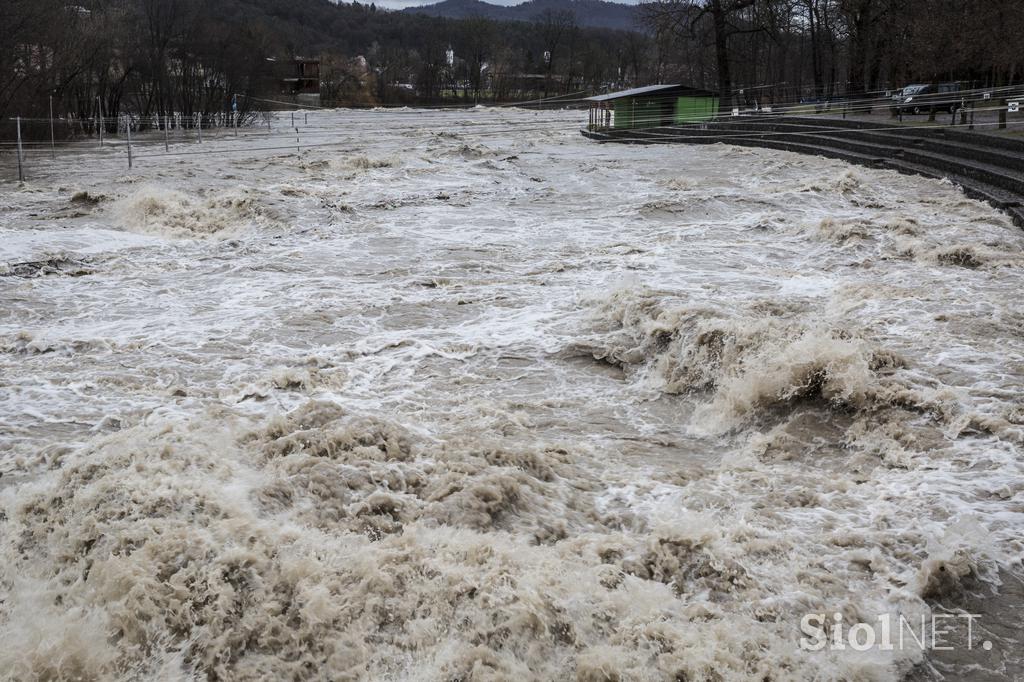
[(686, 17), (555, 29)]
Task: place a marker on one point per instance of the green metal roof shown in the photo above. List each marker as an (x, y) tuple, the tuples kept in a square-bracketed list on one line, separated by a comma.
[(669, 89)]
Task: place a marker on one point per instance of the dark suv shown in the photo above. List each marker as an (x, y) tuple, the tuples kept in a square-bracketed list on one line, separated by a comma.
[(922, 99)]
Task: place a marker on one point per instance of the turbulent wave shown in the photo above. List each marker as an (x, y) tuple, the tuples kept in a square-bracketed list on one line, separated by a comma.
[(57, 265), (845, 182), (744, 363), (362, 162), (171, 213), (327, 543), (907, 240), (967, 255)]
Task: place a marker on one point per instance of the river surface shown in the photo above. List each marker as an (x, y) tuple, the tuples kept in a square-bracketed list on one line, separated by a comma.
[(463, 395)]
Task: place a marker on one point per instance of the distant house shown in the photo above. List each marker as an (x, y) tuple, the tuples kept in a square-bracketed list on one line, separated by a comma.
[(30, 58), (303, 78), (652, 106)]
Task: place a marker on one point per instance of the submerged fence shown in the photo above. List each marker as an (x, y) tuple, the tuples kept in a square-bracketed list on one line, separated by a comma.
[(22, 136), (75, 133), (280, 131), (132, 137)]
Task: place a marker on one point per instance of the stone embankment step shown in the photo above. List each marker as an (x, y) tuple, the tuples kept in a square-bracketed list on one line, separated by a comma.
[(987, 167)]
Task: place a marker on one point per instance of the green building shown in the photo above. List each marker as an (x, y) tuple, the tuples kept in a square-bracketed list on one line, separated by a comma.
[(652, 106)]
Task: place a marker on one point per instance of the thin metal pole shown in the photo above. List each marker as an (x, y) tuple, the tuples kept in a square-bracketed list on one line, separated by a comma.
[(53, 150), (297, 147), (99, 108), (307, 118), (268, 121), (200, 127), (129, 126), (167, 125), (293, 119), (234, 117), (21, 170)]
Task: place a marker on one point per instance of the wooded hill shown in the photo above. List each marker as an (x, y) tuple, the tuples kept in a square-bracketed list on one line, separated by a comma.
[(156, 56), (589, 13), (186, 56)]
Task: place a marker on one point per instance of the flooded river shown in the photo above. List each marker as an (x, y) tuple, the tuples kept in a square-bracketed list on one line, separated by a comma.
[(463, 395)]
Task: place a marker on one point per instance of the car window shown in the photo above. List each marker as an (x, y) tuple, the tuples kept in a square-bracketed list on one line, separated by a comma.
[(913, 89)]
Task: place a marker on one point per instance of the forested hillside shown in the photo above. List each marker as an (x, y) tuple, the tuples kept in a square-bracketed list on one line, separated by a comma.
[(590, 13), (152, 56), (186, 56)]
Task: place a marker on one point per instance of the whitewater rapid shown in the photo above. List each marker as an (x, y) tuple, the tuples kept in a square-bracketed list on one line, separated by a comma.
[(463, 395)]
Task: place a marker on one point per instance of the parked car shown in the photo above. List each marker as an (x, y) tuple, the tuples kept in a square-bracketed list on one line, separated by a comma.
[(925, 98)]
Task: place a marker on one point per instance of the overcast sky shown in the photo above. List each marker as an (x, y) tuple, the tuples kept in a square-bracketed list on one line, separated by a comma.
[(401, 4)]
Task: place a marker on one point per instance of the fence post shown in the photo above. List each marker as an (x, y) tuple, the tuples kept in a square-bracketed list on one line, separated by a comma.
[(21, 170), (129, 128), (293, 119), (234, 119), (53, 150), (1002, 114), (99, 105), (167, 125), (200, 127), (297, 147), (307, 118)]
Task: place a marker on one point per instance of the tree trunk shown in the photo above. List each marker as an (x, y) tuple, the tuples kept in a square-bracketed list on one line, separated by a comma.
[(725, 96), (816, 65)]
